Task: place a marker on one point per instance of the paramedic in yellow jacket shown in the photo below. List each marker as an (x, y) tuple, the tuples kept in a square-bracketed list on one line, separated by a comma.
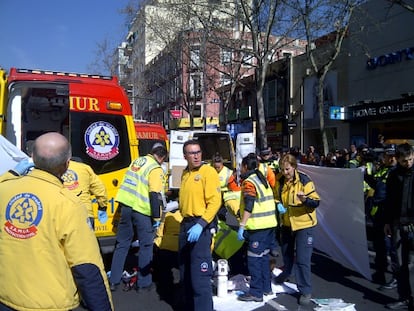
[(199, 201), (83, 182), (140, 200), (230, 190), (296, 191), (166, 254), (49, 255), (258, 221)]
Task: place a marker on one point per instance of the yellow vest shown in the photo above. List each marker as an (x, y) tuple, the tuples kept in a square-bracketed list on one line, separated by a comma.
[(224, 176), (264, 211), (226, 243), (134, 190)]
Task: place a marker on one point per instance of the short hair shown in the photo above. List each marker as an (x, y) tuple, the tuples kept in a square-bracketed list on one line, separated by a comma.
[(289, 158), (218, 158), (250, 161), (191, 142), (404, 150), (159, 150)]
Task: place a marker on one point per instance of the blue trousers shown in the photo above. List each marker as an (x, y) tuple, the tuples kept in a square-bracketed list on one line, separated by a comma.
[(133, 222), (297, 248), (196, 271), (259, 244)]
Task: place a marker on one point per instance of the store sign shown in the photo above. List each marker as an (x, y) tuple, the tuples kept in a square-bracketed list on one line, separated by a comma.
[(175, 114), (376, 110), (390, 58)]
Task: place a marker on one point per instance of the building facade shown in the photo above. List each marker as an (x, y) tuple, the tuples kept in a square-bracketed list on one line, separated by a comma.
[(369, 83)]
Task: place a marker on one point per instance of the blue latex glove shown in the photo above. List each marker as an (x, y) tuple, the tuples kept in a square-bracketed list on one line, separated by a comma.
[(156, 224), (240, 233), (194, 233), (23, 167), (281, 208), (102, 216)]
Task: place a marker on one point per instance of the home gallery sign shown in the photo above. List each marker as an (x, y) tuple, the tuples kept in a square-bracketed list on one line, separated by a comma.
[(379, 110), (390, 58)]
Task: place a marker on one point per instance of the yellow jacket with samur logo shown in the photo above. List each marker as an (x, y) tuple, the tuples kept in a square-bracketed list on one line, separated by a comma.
[(48, 250)]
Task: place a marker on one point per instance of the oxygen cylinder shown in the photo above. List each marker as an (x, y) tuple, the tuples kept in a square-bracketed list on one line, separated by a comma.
[(222, 277)]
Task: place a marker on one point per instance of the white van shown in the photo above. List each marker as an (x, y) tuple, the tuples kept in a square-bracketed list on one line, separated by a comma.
[(210, 142), (245, 144)]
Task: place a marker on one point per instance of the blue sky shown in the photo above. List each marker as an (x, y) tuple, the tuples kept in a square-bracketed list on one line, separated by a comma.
[(57, 35)]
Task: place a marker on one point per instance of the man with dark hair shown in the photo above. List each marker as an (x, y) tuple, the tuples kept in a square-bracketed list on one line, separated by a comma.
[(200, 200), (49, 255), (399, 217), (140, 199)]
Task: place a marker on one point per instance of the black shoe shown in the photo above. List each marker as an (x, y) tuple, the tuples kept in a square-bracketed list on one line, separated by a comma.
[(281, 278), (305, 299), (269, 293), (248, 297), (113, 287), (390, 285), (398, 305)]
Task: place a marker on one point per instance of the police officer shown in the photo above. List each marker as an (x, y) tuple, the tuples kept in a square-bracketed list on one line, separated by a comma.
[(257, 227), (49, 252), (376, 213), (200, 200), (140, 199)]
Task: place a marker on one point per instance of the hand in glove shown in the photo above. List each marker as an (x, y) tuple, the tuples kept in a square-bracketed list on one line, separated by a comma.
[(281, 209), (194, 233), (156, 224), (23, 167), (102, 216), (240, 234)]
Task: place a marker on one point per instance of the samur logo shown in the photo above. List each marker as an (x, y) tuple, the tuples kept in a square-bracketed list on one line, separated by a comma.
[(138, 163), (70, 179), (102, 141), (23, 215)]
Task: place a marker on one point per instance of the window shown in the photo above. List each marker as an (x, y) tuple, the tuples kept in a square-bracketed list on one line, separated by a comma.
[(224, 79), (247, 60), (195, 85), (197, 111), (225, 56), (195, 58)]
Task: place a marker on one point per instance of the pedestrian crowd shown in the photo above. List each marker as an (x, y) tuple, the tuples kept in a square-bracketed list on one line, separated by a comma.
[(273, 203)]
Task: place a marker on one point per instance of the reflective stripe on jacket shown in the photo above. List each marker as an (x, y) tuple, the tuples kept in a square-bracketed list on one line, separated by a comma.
[(264, 213), (134, 190), (226, 243)]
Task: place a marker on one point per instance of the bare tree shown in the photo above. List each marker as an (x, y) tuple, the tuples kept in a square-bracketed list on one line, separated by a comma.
[(324, 22), (253, 32), (103, 62)]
